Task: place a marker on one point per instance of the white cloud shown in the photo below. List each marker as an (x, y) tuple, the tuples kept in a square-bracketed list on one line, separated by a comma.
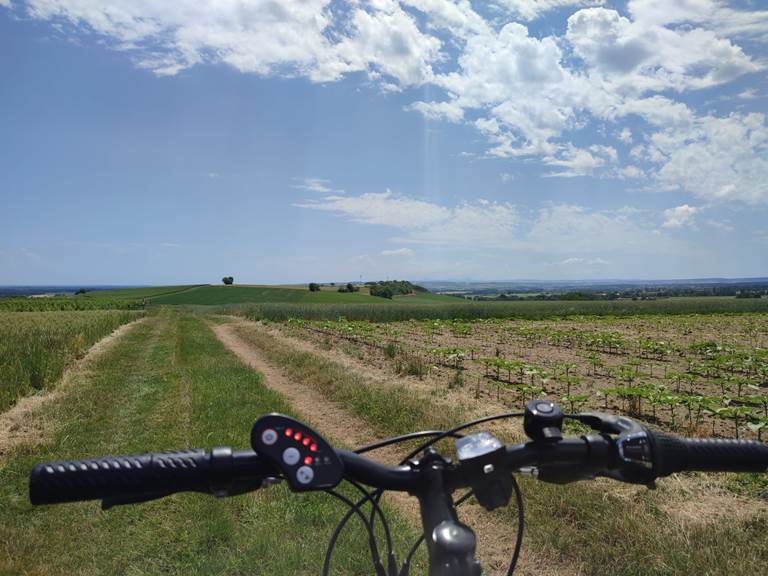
[(289, 37), (581, 162), (6, 3), (749, 94), (625, 135), (630, 171), (484, 225), (527, 94), (563, 229), (450, 111), (646, 55), (533, 9), (680, 216), (576, 261), (481, 224), (712, 13), (718, 159), (319, 185), (384, 208), (400, 252), (506, 177)]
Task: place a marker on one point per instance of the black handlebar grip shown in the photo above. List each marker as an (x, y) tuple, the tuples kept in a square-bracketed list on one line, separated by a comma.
[(120, 476), (672, 454)]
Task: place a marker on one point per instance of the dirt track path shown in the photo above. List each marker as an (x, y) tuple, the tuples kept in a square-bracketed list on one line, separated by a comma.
[(495, 540), (26, 423)]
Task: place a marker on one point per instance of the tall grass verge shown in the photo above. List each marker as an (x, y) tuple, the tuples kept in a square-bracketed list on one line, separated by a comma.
[(35, 347)]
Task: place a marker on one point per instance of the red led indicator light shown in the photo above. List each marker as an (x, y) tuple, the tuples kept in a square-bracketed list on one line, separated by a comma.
[(313, 448), (306, 441), (308, 460), (289, 432), (297, 436)]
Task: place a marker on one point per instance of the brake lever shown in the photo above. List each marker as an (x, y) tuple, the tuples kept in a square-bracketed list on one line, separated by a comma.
[(608, 423), (633, 450)]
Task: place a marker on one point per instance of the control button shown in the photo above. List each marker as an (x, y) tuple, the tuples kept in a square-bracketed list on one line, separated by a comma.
[(305, 474), (545, 407), (269, 436), (291, 456)]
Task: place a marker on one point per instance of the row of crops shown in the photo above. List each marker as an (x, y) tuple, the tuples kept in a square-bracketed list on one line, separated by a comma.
[(675, 382), (69, 303), (35, 347)]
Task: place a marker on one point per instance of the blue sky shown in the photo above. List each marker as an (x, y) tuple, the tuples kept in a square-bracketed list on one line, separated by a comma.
[(146, 142)]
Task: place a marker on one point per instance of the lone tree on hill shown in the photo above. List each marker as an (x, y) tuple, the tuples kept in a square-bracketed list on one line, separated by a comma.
[(228, 280), (314, 287)]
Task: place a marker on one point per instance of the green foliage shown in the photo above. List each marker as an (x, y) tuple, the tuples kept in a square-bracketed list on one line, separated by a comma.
[(67, 303), (228, 280), (391, 288), (35, 347), (434, 306), (314, 287)]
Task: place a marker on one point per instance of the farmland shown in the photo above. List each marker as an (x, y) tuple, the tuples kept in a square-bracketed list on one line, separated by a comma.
[(35, 347), (224, 295), (688, 374), (384, 368), (168, 384)]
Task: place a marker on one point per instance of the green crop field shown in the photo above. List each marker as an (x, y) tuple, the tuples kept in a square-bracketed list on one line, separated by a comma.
[(169, 383), (426, 306), (35, 347), (224, 295), (143, 292)]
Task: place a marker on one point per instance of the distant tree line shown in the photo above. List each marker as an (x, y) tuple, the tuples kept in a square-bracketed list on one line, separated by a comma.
[(634, 294), (391, 288)]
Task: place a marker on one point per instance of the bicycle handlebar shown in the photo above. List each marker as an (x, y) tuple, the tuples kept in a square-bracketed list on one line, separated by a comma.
[(621, 449), (222, 472), (673, 454), (130, 479)]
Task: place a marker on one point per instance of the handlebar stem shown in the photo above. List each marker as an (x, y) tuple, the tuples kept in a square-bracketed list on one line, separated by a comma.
[(451, 545)]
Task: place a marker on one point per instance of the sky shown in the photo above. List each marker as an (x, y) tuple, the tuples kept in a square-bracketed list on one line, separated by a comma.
[(147, 142)]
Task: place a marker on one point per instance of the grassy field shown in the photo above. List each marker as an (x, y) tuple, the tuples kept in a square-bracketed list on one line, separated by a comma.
[(35, 347), (225, 295), (168, 384), (137, 293)]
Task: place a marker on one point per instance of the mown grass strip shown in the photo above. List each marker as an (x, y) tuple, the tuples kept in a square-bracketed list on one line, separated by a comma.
[(168, 384), (581, 524)]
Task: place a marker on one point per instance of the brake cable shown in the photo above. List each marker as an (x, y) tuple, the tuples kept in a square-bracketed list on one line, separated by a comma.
[(375, 496)]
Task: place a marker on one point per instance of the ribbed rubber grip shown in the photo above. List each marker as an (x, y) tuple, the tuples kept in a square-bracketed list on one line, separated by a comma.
[(672, 454), (120, 476)]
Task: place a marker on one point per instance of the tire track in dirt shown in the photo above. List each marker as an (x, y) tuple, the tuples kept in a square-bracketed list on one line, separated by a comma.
[(26, 423), (495, 539)]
